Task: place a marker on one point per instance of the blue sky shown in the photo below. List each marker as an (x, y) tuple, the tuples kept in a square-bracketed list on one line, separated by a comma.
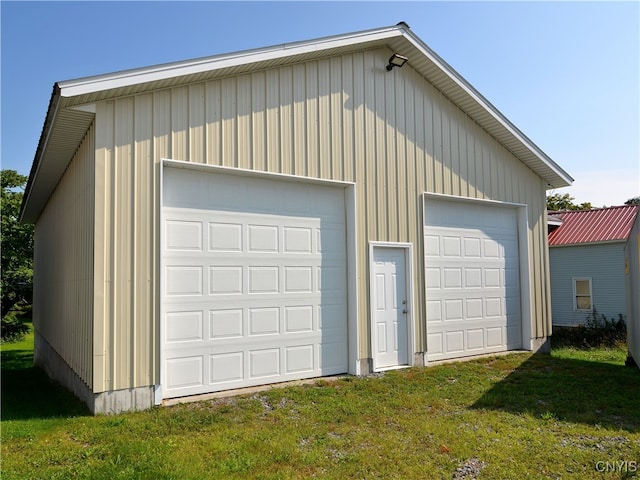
[(565, 73)]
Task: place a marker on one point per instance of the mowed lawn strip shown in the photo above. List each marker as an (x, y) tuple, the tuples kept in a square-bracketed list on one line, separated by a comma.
[(520, 415)]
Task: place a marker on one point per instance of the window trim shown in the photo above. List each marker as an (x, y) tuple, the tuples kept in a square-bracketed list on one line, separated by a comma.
[(575, 294)]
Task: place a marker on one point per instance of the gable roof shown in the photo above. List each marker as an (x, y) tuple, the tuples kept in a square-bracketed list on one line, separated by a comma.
[(71, 111), (594, 226)]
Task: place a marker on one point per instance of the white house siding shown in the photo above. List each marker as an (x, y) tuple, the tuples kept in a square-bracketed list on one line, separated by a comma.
[(604, 264), (344, 118), (63, 279)]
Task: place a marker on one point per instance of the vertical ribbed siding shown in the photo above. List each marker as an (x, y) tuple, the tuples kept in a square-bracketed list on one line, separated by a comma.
[(63, 280), (391, 133), (126, 237)]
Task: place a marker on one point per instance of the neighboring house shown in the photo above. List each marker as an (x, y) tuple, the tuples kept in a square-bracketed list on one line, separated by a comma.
[(587, 263), (283, 213), (632, 274)]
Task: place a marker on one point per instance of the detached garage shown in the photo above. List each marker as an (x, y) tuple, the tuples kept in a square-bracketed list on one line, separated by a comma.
[(283, 213)]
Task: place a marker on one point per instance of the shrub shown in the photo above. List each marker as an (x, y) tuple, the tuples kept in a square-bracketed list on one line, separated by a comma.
[(597, 331), (13, 325)]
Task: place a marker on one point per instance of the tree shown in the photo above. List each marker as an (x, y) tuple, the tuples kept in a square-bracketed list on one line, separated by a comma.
[(558, 202), (633, 201), (17, 257)]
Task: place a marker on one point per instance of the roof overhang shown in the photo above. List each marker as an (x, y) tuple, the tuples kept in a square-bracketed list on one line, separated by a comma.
[(553, 220), (70, 109), (590, 244)]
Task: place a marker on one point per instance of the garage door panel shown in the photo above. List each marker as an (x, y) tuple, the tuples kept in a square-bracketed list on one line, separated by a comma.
[(329, 240), (184, 280), (263, 238), (331, 279), (264, 321), (225, 237), (299, 358), (264, 363), (226, 367), (435, 343), (329, 315), (454, 341), (332, 357), (514, 336), (226, 324), (434, 310), (472, 279), (184, 235), (298, 318), (185, 372), (184, 326), (255, 288), (475, 339), (225, 280), (298, 239)]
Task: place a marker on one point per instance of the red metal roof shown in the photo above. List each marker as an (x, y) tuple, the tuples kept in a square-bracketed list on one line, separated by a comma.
[(597, 225)]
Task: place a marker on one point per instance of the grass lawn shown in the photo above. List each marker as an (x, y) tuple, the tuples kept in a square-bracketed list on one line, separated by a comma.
[(505, 417)]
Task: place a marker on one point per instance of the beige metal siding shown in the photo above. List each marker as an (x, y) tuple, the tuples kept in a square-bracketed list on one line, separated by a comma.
[(63, 280), (344, 118), (126, 235)]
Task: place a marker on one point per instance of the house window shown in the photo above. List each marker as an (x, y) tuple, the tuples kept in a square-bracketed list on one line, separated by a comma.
[(582, 294)]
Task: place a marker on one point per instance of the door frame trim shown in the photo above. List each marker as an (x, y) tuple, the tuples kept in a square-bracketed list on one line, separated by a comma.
[(408, 270)]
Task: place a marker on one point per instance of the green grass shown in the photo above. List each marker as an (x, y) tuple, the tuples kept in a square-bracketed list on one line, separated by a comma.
[(513, 416)]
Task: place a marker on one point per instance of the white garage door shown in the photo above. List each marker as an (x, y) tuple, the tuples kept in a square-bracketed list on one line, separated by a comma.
[(254, 282), (472, 279)]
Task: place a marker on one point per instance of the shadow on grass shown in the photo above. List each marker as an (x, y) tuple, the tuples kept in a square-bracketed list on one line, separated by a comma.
[(27, 392), (571, 390)]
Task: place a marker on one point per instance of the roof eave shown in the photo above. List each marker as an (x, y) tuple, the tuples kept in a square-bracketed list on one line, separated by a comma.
[(584, 244), (62, 132), (152, 75), (54, 101)]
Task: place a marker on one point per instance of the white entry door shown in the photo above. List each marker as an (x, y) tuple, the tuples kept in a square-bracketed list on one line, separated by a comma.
[(390, 308)]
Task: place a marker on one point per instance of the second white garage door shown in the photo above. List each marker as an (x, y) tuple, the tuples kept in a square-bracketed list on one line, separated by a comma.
[(472, 279), (254, 281)]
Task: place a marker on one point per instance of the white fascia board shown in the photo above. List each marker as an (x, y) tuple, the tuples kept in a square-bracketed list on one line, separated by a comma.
[(126, 78), (486, 105), (29, 217)]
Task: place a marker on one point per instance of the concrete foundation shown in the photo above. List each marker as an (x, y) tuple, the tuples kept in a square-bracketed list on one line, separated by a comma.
[(541, 345), (103, 403), (366, 366)]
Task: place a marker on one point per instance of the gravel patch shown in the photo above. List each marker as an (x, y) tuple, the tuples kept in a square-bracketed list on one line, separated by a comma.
[(469, 470)]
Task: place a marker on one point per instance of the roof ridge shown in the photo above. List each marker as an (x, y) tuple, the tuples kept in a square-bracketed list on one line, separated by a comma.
[(555, 212)]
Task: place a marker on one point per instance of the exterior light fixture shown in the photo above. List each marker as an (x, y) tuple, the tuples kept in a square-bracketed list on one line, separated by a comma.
[(396, 61)]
